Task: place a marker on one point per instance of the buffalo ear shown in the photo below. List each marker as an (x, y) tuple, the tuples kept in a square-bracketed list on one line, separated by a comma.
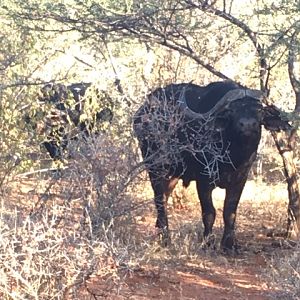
[(272, 119), (275, 124)]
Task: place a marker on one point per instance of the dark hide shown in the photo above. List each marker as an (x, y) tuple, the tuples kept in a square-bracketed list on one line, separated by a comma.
[(217, 150), (62, 115)]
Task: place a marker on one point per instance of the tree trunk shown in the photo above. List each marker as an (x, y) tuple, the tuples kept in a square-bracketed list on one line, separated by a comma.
[(285, 143), (297, 106)]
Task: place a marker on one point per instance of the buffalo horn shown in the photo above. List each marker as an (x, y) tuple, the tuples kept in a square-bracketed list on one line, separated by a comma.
[(229, 97)]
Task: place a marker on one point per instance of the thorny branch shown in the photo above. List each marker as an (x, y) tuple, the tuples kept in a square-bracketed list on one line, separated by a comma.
[(171, 135)]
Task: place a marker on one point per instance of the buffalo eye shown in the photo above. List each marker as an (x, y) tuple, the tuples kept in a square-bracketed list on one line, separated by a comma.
[(222, 120)]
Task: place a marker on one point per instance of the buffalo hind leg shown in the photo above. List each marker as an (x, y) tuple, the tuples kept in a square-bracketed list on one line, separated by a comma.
[(208, 211), (232, 199)]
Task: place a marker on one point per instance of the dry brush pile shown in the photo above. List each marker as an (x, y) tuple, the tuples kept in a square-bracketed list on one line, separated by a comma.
[(72, 221)]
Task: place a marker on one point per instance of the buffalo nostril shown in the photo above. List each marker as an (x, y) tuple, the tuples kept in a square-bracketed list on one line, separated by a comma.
[(253, 124), (248, 124)]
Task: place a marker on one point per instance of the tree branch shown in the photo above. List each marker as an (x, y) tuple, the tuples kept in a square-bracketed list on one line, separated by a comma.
[(263, 73)]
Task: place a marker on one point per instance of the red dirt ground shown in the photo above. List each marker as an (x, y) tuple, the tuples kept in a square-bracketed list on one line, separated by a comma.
[(217, 276), (187, 282), (173, 274)]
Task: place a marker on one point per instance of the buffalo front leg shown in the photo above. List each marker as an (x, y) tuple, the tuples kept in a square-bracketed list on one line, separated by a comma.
[(160, 199), (162, 218), (232, 199), (208, 210)]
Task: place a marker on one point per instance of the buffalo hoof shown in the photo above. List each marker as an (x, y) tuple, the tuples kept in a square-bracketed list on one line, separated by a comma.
[(209, 242), (164, 237), (230, 246)]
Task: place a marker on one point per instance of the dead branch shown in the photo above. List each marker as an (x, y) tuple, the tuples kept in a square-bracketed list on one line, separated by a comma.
[(40, 171)]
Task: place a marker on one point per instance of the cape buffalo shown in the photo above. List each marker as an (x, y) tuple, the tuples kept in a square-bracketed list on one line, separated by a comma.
[(208, 134), (63, 120)]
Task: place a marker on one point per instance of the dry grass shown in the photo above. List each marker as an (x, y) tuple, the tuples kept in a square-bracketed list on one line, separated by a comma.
[(261, 223), (56, 231), (63, 234), (284, 273)]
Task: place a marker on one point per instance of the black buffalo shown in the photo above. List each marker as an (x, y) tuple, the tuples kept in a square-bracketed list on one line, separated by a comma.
[(63, 120), (208, 134)]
